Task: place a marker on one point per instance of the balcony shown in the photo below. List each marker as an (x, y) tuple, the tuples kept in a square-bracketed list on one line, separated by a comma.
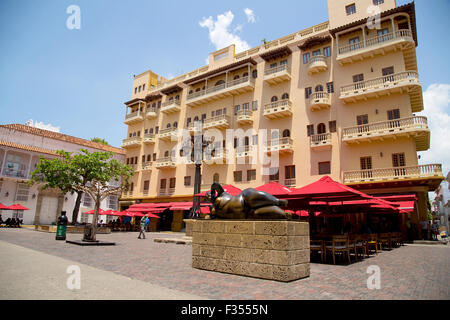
[(244, 151), (398, 40), (395, 173), (290, 183), (134, 117), (416, 127), (278, 109), (403, 82), (282, 145), (317, 64), (319, 101), (221, 91), (151, 113), (131, 142), (193, 128), (218, 122), (171, 106), (146, 166), (149, 138), (16, 173), (165, 163), (168, 134), (244, 117), (218, 156), (321, 141), (273, 76)]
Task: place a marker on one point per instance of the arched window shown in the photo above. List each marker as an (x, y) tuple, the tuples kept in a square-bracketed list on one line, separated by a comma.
[(255, 73), (286, 133), (191, 91), (175, 124), (197, 90), (218, 83), (285, 96), (151, 130), (236, 77), (196, 118), (166, 154), (216, 177), (319, 88), (154, 105), (131, 187), (177, 97), (181, 152), (245, 75), (274, 99), (168, 125), (246, 141), (321, 128)]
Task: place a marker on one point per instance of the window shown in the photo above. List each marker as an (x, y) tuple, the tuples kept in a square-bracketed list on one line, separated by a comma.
[(187, 181), (398, 159), (275, 176), (377, 2), (236, 77), (274, 99), (308, 92), (236, 109), (358, 77), (224, 111), (216, 177), (327, 51), (203, 117), (236, 142), (255, 139), (135, 160), (283, 63), (310, 129), (285, 96), (237, 176), (289, 172), (189, 120), (330, 87), (318, 88), (22, 192), (324, 167), (382, 34), (139, 133), (143, 158), (286, 133), (316, 52), (154, 157), (245, 75), (149, 158), (273, 65), (218, 83), (332, 125), (254, 105), (350, 9), (212, 114), (365, 163), (362, 119), (143, 87), (321, 128), (172, 183), (393, 114), (139, 89), (87, 200), (354, 43), (146, 185), (166, 154), (156, 129), (128, 160), (306, 58), (251, 175), (162, 184), (254, 74), (131, 187), (387, 74), (245, 106)]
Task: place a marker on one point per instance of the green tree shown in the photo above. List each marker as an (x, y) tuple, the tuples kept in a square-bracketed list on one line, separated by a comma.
[(100, 140), (96, 174)]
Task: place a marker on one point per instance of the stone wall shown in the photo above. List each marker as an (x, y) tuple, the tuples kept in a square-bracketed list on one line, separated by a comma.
[(274, 249)]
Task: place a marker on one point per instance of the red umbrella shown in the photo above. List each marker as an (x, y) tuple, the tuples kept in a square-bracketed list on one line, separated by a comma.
[(100, 212), (228, 188), (17, 207), (3, 207), (275, 189)]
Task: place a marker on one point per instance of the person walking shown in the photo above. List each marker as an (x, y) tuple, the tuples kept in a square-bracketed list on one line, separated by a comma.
[(147, 223), (424, 227), (142, 228)]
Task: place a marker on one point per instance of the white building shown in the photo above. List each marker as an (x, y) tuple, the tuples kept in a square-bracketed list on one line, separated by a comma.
[(441, 203), (21, 147)]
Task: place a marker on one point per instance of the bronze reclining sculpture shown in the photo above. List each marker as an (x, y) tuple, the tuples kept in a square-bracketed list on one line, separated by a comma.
[(250, 203)]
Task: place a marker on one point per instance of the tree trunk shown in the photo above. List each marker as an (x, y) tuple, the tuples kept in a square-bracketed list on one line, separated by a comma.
[(91, 234), (76, 209)]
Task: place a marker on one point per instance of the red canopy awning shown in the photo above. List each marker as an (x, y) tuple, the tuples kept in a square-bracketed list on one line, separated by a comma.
[(234, 191), (161, 206), (3, 207), (100, 212), (17, 207), (275, 189)]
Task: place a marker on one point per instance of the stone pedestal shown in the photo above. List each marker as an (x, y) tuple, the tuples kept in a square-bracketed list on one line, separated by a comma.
[(270, 249), (189, 223)]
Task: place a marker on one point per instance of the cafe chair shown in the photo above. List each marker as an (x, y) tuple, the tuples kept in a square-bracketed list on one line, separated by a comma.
[(384, 240), (317, 246), (372, 242), (339, 244)]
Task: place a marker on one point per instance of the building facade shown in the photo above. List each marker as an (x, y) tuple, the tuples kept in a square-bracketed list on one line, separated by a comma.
[(339, 99), (21, 147)]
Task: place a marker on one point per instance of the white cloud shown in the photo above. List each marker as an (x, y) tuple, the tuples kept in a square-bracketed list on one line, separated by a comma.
[(41, 125), (436, 100), (250, 15), (220, 34)]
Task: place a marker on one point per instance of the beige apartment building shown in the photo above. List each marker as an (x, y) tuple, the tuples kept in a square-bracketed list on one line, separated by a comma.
[(339, 99)]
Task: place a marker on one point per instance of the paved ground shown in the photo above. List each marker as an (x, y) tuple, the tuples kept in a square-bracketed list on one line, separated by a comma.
[(409, 272)]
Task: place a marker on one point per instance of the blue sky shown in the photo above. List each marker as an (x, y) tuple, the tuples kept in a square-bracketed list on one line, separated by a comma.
[(78, 79)]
